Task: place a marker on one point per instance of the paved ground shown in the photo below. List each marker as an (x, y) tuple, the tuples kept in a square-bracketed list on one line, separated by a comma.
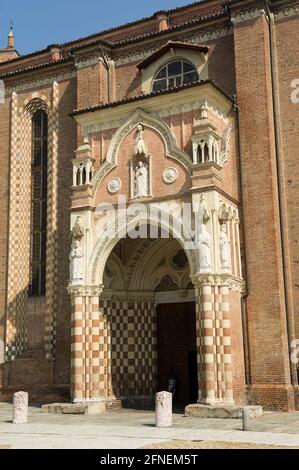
[(128, 429)]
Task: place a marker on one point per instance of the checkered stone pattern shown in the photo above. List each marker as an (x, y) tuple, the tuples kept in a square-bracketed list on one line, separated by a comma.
[(214, 344), (90, 350), (52, 257), (132, 327)]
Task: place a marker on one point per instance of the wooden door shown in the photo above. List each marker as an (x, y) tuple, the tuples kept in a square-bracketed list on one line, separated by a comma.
[(176, 336)]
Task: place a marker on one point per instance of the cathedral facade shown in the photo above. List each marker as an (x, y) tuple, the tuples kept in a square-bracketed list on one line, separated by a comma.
[(149, 195)]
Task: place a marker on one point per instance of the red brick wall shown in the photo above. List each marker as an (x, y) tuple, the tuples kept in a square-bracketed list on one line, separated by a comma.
[(287, 50), (269, 358)]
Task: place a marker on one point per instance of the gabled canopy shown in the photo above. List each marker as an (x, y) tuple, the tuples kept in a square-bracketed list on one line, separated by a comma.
[(171, 45)]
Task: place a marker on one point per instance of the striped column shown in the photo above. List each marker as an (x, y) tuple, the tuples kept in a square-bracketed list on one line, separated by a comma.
[(213, 341), (87, 330)]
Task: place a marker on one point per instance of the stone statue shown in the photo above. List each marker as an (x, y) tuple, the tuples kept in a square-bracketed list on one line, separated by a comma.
[(204, 241), (141, 180), (76, 263), (224, 248), (203, 213), (78, 228), (140, 148)]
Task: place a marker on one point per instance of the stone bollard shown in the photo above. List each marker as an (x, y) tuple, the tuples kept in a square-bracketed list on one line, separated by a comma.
[(163, 410), (246, 419), (20, 408)]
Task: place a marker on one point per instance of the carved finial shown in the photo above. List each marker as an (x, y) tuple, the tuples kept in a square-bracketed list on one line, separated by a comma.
[(11, 37)]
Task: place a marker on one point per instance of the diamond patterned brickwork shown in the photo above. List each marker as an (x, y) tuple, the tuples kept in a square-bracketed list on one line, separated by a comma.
[(133, 347), (20, 217)]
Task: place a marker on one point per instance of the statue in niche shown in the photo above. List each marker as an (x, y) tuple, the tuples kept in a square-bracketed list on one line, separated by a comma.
[(224, 248), (140, 148), (141, 180), (204, 241), (76, 263)]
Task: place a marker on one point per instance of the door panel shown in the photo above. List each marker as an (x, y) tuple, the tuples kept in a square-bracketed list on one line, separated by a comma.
[(176, 336)]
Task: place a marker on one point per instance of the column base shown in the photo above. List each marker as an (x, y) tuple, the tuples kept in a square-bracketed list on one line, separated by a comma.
[(220, 411)]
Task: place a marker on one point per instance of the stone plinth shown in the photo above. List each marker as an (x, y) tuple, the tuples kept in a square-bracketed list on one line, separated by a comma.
[(20, 408), (81, 408), (163, 410), (221, 411)]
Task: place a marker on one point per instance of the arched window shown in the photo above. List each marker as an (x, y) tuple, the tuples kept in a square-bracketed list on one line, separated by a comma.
[(39, 202), (173, 74)]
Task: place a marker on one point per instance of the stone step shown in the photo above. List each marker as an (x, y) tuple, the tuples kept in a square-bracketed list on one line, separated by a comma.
[(82, 408), (221, 411)]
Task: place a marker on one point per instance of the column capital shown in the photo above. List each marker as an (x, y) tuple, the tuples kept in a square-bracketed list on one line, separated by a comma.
[(85, 291), (232, 282)]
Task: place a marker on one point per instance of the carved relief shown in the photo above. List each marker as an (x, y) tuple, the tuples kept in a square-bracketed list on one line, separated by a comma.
[(114, 185)]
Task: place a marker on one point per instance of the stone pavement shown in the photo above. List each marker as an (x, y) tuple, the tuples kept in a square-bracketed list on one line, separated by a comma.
[(129, 429)]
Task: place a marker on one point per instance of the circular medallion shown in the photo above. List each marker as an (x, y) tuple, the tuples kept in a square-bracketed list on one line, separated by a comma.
[(170, 175), (114, 185)]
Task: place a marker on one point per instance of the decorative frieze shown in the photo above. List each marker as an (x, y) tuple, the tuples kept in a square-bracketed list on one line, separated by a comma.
[(287, 12), (234, 283), (38, 83), (247, 15), (195, 38), (85, 291)]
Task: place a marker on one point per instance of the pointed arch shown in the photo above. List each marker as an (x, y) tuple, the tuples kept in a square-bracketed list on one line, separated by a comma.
[(118, 229)]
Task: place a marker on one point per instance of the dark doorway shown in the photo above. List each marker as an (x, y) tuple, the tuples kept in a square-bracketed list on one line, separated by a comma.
[(177, 356)]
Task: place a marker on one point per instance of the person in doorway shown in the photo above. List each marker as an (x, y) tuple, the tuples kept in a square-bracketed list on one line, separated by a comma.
[(172, 384)]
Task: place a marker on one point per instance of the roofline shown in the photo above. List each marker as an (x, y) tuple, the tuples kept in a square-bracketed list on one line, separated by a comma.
[(151, 95), (32, 68), (118, 28), (136, 22)]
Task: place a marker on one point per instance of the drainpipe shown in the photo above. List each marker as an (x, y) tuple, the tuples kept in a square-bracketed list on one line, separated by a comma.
[(107, 67), (278, 155), (245, 295)]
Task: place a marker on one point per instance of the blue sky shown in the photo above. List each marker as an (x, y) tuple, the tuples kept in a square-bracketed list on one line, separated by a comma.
[(38, 23)]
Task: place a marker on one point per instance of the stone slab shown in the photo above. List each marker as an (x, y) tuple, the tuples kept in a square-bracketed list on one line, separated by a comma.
[(221, 411), (81, 408)]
